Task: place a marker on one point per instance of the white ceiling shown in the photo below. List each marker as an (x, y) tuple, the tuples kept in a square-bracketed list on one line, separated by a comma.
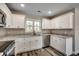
[(32, 8)]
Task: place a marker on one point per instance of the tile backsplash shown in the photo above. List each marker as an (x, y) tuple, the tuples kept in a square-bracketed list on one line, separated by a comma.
[(6, 32), (58, 31), (62, 31), (15, 31)]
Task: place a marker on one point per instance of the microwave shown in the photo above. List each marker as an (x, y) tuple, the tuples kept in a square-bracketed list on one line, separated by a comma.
[(2, 18)]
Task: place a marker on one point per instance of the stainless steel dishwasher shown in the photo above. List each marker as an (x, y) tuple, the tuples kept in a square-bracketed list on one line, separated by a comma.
[(46, 40)]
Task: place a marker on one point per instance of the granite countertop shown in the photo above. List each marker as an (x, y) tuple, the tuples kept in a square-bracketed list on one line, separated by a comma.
[(13, 37), (59, 34)]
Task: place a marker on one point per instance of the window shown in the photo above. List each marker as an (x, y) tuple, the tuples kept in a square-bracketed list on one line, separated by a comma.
[(33, 26), (37, 26)]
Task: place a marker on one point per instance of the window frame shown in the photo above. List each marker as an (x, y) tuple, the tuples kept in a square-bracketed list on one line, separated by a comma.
[(34, 20)]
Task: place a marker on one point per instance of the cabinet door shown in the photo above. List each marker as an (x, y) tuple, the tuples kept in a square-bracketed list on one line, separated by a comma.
[(36, 43), (53, 24), (63, 21), (18, 20), (46, 24), (19, 45), (62, 44), (33, 44), (69, 47), (66, 21), (27, 44), (70, 21), (59, 43), (54, 42)]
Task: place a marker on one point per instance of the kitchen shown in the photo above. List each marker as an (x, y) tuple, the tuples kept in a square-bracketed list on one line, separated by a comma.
[(39, 29)]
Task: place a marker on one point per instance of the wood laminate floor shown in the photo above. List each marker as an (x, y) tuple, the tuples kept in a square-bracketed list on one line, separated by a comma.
[(41, 52)]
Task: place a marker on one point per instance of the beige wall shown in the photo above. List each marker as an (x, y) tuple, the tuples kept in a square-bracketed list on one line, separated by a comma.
[(76, 30)]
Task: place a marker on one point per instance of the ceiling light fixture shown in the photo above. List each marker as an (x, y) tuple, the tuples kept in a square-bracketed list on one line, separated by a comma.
[(49, 12), (22, 5)]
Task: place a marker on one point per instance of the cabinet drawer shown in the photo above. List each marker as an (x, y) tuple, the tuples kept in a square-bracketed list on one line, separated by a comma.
[(58, 42)]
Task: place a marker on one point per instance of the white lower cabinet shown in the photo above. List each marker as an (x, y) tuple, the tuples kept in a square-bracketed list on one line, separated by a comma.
[(36, 43), (19, 45), (28, 44), (61, 43), (33, 45)]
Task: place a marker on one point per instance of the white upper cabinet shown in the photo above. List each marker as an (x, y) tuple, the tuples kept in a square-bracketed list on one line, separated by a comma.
[(8, 13), (64, 21), (18, 20), (46, 23), (12, 20), (54, 24)]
